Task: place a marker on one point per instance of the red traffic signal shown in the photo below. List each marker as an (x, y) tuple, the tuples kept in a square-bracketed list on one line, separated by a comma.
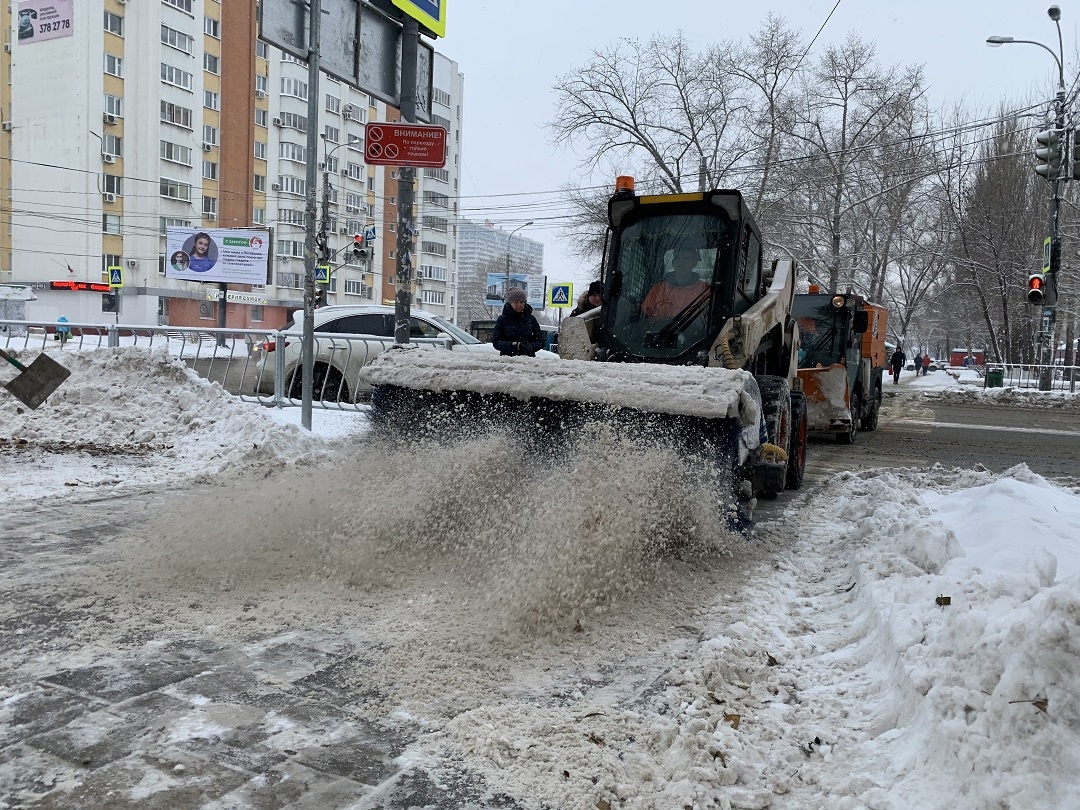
[(1036, 288)]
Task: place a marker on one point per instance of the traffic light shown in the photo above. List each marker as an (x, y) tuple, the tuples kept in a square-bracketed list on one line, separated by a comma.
[(322, 247), (320, 296), (358, 249), (1075, 153), (1036, 288), (1049, 153), (110, 302)]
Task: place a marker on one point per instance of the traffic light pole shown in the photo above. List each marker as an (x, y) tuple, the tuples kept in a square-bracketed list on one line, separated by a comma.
[(1048, 319), (307, 351)]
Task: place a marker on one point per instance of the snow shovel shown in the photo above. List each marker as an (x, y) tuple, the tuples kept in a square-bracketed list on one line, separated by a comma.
[(37, 380)]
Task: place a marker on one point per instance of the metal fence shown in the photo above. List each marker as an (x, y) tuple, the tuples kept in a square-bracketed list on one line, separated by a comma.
[(1058, 378), (257, 365)]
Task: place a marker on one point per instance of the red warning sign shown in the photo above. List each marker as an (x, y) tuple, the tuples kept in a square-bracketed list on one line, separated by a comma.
[(405, 145)]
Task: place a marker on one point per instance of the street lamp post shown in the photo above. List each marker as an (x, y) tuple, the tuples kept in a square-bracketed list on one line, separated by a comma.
[(1049, 314), (509, 239)]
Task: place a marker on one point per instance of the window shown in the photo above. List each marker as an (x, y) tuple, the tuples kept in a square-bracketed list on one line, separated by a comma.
[(176, 39), (114, 23), (210, 134), (262, 83), (258, 216), (212, 27), (333, 104), (290, 216), (332, 134), (290, 247), (433, 248), (114, 65), (439, 224), (110, 223), (112, 184), (433, 272), (176, 77), (207, 310), (294, 88), (434, 198), (262, 50), (440, 96), (356, 142), (441, 175), (371, 184), (114, 105), (260, 150), (292, 185), (175, 114), (209, 170), (175, 153), (294, 121), (168, 222), (292, 281), (256, 312), (292, 151), (175, 189), (262, 117), (112, 145), (183, 5), (211, 100), (355, 171), (439, 121), (352, 203), (433, 296), (260, 182), (333, 164), (209, 206), (110, 260), (211, 63)]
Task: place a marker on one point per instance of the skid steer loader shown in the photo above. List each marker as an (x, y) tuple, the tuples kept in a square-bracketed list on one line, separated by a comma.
[(695, 342)]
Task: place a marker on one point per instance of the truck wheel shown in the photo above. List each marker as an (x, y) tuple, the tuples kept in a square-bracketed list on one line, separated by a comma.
[(797, 449), (848, 436), (776, 409), (870, 421)]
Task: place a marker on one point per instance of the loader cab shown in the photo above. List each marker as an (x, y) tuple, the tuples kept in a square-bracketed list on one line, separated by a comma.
[(677, 267)]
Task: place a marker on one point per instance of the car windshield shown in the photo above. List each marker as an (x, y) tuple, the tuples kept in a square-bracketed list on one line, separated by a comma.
[(819, 331), (667, 268), (460, 334)]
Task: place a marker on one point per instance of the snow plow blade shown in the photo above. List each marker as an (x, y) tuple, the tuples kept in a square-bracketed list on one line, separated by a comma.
[(828, 406), (707, 413)]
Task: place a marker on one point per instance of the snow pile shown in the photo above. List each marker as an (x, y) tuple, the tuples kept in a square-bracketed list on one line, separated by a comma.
[(851, 682), (165, 421), (690, 391)]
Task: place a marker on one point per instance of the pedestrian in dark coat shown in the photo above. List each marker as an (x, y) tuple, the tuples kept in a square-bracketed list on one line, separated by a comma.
[(897, 362), (516, 331), (592, 298)]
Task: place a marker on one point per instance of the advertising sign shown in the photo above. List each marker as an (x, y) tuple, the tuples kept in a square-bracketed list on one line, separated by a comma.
[(40, 20), (226, 255), (498, 284), (404, 145)]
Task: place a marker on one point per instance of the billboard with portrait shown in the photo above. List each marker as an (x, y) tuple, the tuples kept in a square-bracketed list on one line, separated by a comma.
[(228, 255), (41, 20), (499, 284)]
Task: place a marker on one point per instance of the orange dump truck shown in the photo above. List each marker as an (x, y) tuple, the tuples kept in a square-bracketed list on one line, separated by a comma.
[(841, 361)]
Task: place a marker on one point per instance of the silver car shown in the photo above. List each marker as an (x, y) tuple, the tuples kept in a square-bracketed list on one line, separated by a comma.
[(347, 337)]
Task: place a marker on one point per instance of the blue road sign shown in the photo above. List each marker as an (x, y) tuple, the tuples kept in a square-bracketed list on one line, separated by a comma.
[(116, 276), (561, 295), (322, 274)]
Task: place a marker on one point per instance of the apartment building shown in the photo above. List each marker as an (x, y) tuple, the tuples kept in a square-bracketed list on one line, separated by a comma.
[(164, 113), (482, 248)]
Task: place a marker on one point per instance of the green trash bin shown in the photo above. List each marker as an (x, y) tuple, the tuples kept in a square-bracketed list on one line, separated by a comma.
[(995, 377)]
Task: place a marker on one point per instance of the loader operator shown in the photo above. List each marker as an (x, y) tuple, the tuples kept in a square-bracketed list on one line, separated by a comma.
[(678, 289)]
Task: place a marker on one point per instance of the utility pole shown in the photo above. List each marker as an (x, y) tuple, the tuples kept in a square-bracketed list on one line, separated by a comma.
[(410, 43), (307, 357), (1046, 378)]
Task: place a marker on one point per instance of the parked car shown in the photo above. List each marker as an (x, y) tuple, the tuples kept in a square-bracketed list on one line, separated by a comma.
[(365, 330)]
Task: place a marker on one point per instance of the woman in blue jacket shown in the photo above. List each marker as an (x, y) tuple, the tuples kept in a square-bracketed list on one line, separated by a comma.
[(516, 331)]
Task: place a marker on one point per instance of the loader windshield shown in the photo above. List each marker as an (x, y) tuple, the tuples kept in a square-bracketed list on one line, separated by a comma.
[(673, 274)]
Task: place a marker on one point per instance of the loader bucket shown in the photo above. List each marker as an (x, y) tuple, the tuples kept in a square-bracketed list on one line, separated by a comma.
[(707, 413)]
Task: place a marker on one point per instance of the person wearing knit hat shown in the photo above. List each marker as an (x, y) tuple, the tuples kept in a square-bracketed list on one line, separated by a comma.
[(592, 298), (516, 331)]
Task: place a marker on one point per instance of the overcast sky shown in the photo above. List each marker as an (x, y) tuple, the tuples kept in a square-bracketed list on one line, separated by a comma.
[(511, 54)]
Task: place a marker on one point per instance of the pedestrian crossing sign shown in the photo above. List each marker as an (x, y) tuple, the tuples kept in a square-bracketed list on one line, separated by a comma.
[(116, 276), (560, 295), (322, 274)]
